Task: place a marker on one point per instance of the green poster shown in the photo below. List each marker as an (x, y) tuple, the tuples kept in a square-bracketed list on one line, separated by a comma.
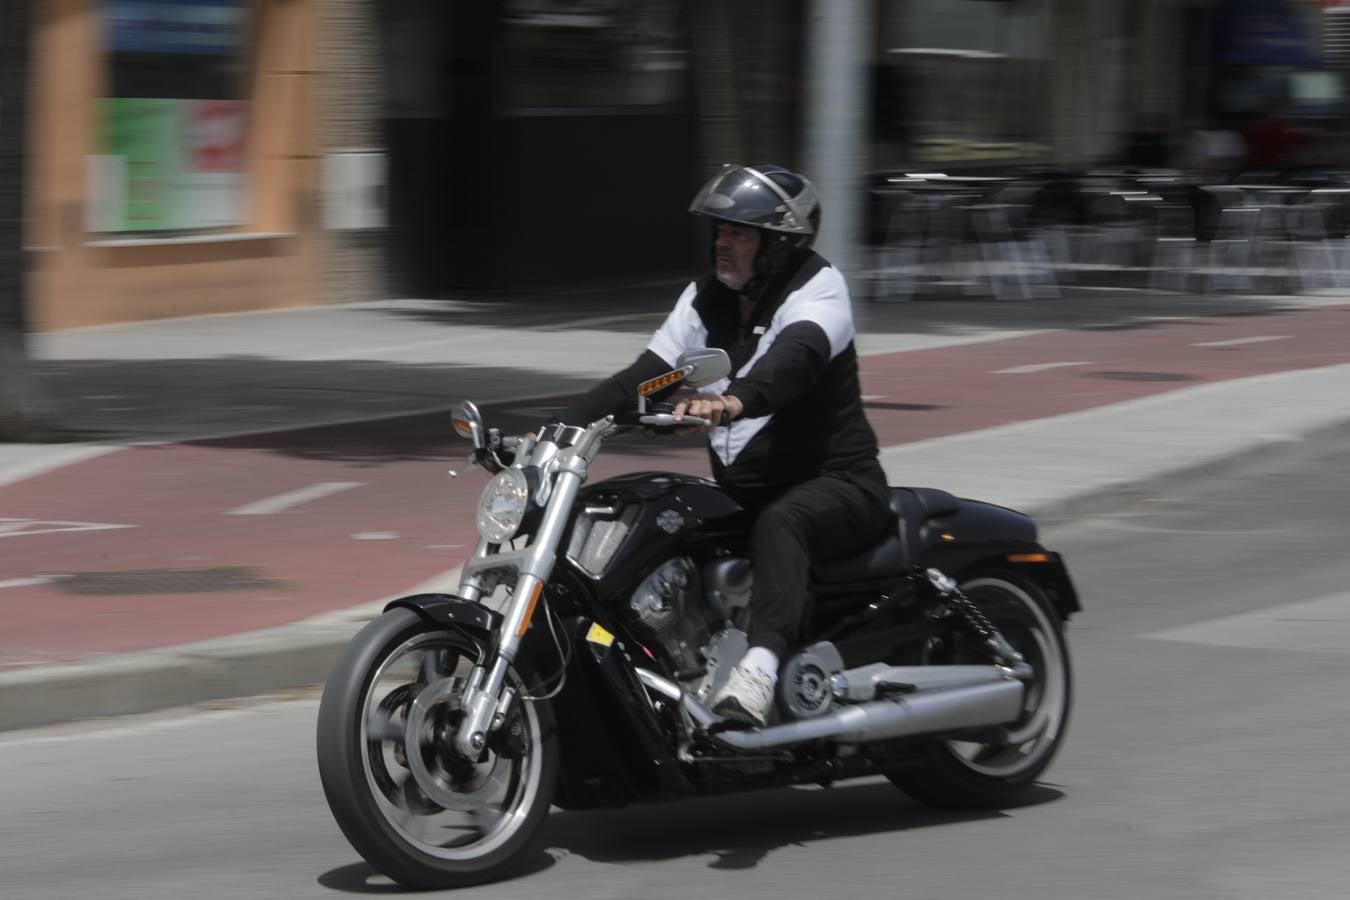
[(144, 133)]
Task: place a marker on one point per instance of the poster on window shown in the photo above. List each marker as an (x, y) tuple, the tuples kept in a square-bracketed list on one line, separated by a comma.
[(168, 165)]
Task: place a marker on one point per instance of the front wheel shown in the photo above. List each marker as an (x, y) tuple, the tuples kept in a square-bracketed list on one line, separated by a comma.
[(414, 809), (997, 768)]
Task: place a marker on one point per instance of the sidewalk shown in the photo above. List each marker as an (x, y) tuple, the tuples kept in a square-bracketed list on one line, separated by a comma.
[(189, 379)]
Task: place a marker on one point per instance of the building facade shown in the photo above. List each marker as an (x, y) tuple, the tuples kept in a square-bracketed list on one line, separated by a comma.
[(199, 156), (173, 158)]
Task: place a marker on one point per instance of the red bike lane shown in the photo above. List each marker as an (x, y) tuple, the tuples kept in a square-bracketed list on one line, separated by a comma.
[(160, 545)]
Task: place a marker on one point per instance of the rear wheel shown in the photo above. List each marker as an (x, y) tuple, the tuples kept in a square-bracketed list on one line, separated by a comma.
[(995, 768), (414, 809)]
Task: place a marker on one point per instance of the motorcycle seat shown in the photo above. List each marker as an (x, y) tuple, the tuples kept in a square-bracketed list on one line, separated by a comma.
[(895, 554)]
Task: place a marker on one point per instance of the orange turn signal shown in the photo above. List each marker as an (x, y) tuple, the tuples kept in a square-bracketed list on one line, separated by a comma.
[(464, 428), (647, 388), (1028, 557)]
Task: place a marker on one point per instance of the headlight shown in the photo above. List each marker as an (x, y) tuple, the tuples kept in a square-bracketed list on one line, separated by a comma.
[(503, 505)]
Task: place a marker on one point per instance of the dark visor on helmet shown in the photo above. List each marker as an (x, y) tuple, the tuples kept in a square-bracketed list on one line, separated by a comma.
[(741, 194)]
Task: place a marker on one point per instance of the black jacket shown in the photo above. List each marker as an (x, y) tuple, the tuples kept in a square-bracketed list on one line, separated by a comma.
[(794, 367)]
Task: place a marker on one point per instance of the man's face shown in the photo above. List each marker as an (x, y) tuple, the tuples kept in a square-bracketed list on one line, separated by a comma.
[(735, 247)]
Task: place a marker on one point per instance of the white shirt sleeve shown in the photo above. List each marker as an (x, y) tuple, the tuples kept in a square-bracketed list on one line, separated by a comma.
[(823, 300), (682, 330)]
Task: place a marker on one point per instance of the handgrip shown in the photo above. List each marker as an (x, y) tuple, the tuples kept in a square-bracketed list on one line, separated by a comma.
[(666, 420)]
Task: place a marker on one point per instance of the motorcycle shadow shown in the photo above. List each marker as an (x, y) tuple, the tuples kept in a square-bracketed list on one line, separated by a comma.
[(362, 878), (741, 829)]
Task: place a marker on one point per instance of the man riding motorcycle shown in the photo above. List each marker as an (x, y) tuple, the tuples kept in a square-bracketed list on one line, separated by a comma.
[(790, 440)]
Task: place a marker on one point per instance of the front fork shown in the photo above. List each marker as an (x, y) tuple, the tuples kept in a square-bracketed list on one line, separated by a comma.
[(485, 703)]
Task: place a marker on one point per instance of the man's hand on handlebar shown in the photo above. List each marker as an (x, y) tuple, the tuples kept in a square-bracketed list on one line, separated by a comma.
[(719, 409)]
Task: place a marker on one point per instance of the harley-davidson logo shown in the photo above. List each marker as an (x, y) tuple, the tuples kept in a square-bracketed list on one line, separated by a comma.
[(670, 521)]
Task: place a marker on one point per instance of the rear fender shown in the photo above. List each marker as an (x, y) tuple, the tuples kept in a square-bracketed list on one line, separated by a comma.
[(1044, 568)]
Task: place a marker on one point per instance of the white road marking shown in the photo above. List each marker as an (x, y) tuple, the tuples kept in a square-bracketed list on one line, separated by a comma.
[(26, 582), (25, 527), (1037, 367), (20, 461), (282, 502), (1321, 625), (375, 536), (1235, 342)]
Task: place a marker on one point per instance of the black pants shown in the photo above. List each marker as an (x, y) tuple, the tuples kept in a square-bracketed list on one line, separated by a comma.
[(833, 515)]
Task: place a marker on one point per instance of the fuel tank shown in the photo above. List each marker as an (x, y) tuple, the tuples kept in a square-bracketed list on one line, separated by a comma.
[(626, 526)]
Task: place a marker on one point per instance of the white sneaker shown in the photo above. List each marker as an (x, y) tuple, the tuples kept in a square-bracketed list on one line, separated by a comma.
[(748, 694)]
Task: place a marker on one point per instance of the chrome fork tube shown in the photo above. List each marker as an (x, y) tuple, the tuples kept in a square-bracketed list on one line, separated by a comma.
[(535, 568), (471, 585)]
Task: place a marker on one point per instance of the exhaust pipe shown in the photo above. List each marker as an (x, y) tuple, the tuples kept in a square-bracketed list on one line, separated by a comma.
[(911, 715)]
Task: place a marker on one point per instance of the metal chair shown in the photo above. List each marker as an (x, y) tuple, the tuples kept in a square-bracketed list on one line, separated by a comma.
[(1229, 252)]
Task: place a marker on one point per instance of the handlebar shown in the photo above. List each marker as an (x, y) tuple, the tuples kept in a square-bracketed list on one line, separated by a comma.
[(667, 420), (500, 451), (658, 415)]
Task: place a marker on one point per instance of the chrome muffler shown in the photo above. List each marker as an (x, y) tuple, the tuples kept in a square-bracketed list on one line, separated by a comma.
[(960, 698)]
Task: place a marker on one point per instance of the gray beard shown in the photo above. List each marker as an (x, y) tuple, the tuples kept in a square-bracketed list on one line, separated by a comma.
[(731, 281)]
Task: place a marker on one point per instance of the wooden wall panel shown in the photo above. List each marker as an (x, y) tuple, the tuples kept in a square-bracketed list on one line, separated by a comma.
[(78, 279)]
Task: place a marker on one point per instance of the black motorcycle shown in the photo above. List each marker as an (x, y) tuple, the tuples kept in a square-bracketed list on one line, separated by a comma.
[(448, 728)]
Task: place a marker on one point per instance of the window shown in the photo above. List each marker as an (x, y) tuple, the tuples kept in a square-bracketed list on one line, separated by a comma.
[(594, 53), (962, 80), (171, 134)]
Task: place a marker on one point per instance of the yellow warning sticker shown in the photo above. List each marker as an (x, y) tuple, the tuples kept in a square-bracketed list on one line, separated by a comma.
[(598, 635)]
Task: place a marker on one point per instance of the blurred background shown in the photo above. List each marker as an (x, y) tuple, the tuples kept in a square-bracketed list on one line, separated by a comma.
[(194, 156)]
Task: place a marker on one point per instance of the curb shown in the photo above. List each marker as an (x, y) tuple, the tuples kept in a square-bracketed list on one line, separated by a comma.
[(299, 654), (1113, 497), (244, 665)]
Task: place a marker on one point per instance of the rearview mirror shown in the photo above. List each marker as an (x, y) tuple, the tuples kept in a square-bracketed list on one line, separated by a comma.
[(705, 364), (469, 424)]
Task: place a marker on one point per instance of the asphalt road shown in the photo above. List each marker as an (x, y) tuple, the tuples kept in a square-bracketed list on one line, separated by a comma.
[(1206, 758)]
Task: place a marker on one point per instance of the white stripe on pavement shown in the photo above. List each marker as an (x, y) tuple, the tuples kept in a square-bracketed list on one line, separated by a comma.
[(289, 499), (20, 461), (1258, 339), (1037, 367), (26, 582), (25, 527), (1319, 625)]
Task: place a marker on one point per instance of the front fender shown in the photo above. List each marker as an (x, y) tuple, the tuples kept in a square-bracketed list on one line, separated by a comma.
[(478, 622)]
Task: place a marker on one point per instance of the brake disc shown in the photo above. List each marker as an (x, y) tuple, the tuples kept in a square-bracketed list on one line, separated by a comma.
[(463, 785)]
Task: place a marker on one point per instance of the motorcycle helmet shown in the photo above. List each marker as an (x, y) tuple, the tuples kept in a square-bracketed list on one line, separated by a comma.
[(781, 204)]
